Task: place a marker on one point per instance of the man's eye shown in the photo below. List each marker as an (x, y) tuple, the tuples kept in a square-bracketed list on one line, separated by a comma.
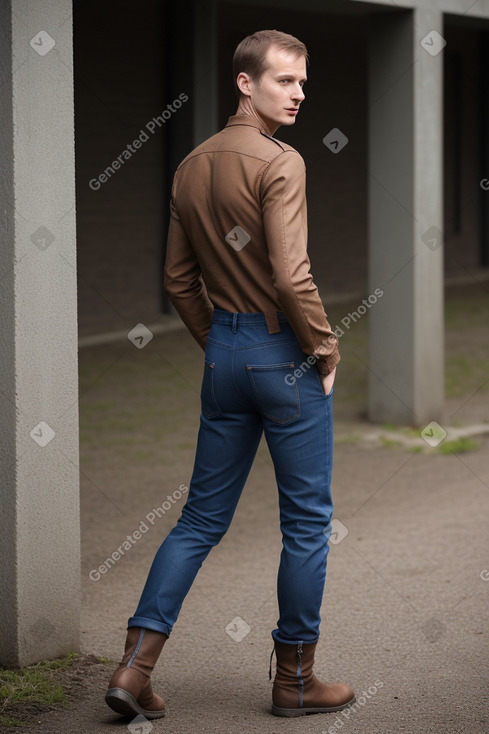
[(283, 81)]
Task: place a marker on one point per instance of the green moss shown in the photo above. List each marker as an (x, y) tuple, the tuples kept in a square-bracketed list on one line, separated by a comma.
[(416, 449), (35, 684), (390, 427), (458, 446), (390, 443)]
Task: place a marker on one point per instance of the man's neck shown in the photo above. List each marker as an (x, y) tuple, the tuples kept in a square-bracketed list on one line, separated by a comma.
[(245, 107)]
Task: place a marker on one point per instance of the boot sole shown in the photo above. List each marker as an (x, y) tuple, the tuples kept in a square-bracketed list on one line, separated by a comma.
[(123, 703), (291, 713)]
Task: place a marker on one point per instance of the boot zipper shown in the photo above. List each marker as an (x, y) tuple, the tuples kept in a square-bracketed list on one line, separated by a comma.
[(136, 649), (270, 668), (300, 681)]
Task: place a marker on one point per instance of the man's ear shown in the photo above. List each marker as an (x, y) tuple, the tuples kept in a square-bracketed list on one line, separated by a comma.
[(243, 81)]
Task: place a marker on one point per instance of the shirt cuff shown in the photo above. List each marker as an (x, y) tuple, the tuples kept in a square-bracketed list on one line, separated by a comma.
[(326, 364)]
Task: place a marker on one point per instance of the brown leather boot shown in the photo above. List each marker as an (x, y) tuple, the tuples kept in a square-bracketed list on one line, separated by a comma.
[(130, 692), (297, 691)]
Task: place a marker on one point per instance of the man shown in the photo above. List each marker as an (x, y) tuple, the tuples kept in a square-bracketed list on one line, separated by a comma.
[(237, 272)]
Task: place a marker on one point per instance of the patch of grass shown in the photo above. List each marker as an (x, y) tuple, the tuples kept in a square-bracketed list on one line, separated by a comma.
[(36, 684), (11, 722), (458, 446), (390, 427), (407, 431), (390, 443)]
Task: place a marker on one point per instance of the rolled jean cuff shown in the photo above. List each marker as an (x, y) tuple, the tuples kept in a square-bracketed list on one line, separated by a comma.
[(149, 624), (277, 638)]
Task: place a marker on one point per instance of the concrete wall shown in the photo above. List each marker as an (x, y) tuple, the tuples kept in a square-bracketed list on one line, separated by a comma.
[(39, 518), (119, 88)]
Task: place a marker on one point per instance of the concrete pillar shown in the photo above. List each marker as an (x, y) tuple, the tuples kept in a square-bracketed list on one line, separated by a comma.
[(39, 517), (405, 217)]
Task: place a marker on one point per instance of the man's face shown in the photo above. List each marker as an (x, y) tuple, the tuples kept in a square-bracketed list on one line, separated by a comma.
[(277, 95)]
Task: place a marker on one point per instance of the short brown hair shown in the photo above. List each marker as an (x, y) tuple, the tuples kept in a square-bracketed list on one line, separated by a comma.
[(249, 56)]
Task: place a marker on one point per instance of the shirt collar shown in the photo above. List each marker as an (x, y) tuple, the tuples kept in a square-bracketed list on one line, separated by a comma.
[(245, 120)]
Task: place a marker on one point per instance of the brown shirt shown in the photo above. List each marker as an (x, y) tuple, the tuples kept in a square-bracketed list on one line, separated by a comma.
[(238, 237)]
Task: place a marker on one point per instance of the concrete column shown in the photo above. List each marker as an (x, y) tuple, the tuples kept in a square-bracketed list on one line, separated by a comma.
[(405, 217), (39, 517)]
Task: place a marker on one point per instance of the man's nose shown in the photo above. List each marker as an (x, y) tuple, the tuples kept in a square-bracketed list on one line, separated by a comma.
[(298, 93)]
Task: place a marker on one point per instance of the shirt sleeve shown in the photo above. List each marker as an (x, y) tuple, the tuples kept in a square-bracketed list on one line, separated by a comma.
[(183, 281), (284, 208)]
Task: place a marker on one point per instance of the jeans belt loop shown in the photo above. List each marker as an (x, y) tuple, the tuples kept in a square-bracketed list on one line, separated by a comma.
[(234, 327), (272, 322)]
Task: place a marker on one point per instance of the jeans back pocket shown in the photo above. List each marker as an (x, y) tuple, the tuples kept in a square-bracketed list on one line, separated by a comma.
[(277, 397)]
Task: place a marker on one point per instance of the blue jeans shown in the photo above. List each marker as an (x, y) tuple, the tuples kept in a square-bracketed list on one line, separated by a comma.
[(248, 387)]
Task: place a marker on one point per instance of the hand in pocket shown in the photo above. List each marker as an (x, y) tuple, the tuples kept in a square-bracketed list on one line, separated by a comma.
[(327, 381)]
